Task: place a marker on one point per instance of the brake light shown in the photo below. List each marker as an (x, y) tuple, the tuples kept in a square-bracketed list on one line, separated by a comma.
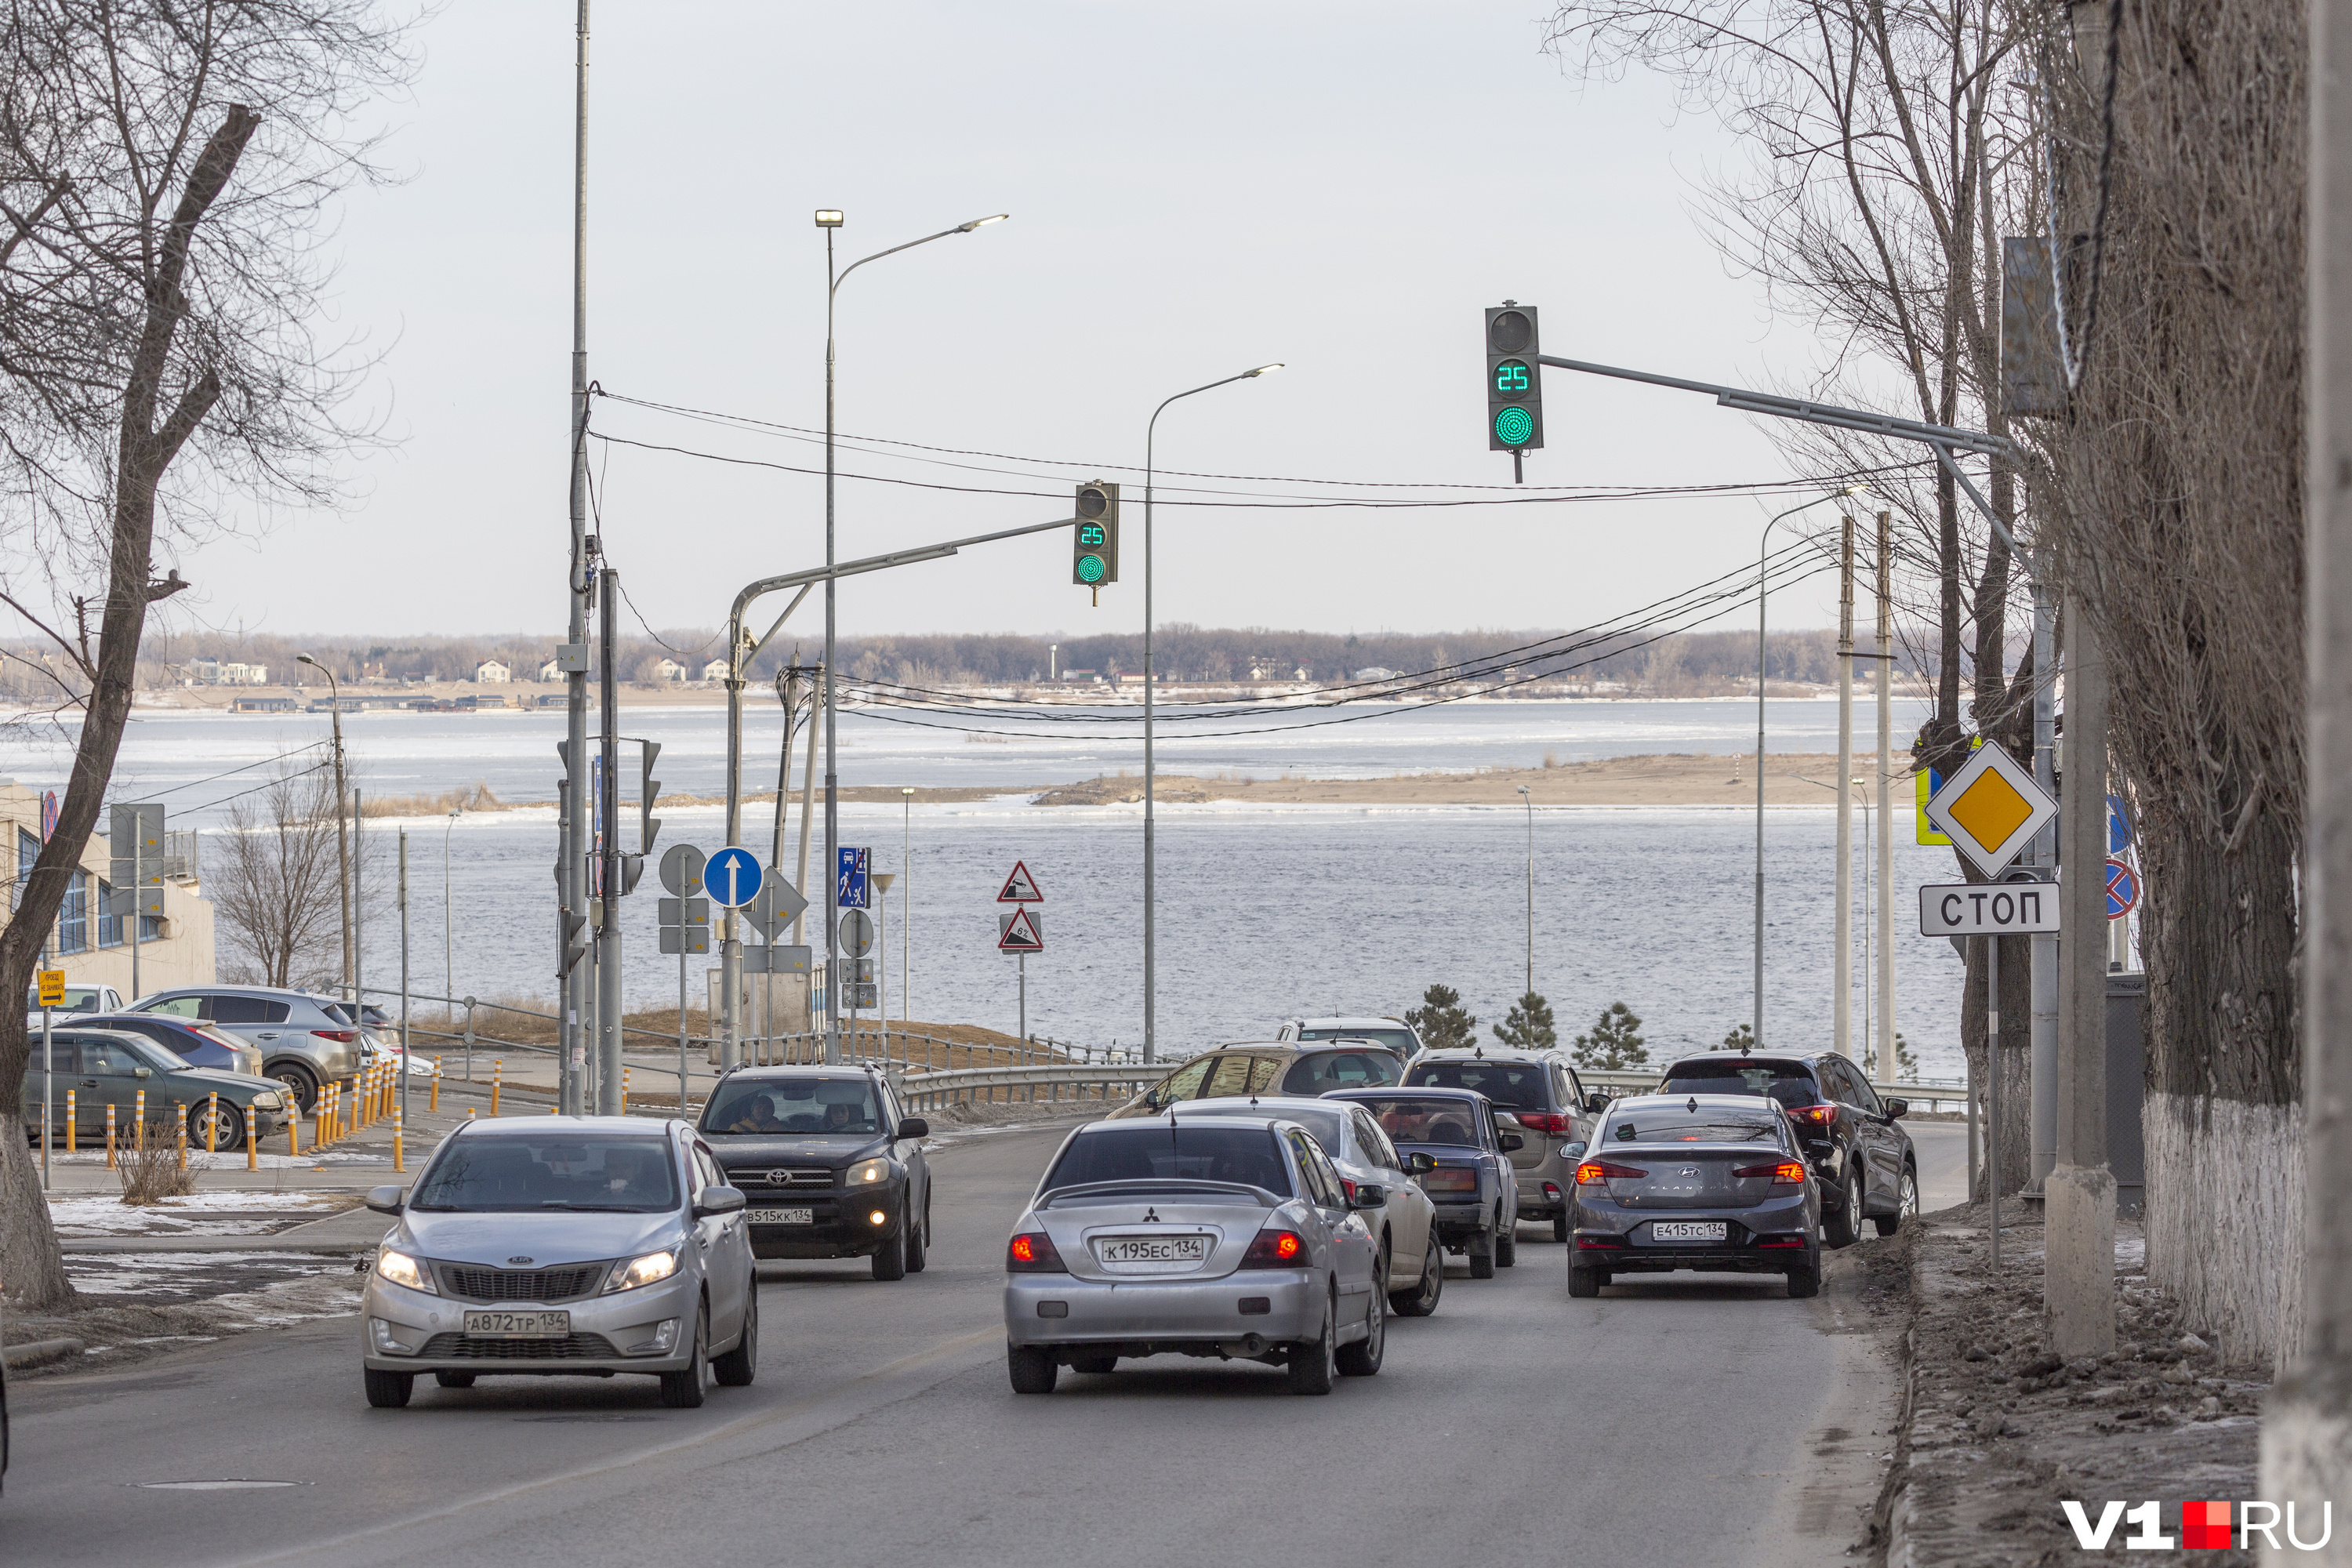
[(1603, 1171), (1451, 1179), (1780, 1241), (1821, 1115), (1031, 1252), (1552, 1121), (1275, 1249), (1788, 1172), (1349, 1188), (341, 1036), (1587, 1243)]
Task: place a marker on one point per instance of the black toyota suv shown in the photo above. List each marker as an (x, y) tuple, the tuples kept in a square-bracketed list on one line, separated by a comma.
[(829, 1164), (1862, 1159)]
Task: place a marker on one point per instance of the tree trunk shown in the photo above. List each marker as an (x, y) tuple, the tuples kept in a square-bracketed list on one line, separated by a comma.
[(2015, 1080)]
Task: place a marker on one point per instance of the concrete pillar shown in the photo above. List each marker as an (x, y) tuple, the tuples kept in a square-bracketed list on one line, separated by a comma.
[(2079, 1194)]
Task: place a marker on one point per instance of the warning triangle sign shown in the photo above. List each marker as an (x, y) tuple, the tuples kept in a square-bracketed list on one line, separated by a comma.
[(1020, 888), (1019, 932)]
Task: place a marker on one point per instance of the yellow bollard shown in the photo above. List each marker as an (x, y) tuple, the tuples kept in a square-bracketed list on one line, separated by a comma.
[(212, 1122), (347, 1123), (496, 1068), (70, 1121), (180, 1121), (437, 1085), (625, 1091), (252, 1141), (469, 1113), (139, 1121), (110, 1135), (396, 1130), (294, 1130)]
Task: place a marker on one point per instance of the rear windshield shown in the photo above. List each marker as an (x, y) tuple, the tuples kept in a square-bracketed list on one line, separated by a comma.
[(1328, 1127), (1156, 1151), (1410, 1119), (1398, 1040), (1318, 1072), (1708, 1124), (1790, 1083), (801, 1105), (570, 1171), (1512, 1085)]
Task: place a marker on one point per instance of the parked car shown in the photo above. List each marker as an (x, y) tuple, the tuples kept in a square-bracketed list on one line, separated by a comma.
[(111, 1067), (1538, 1093), (80, 999), (1394, 1033), (1413, 1262), (197, 1043), (554, 1246), (306, 1040), (1224, 1236), (1471, 1186), (1712, 1181), (380, 1042), (1268, 1067), (1863, 1161), (829, 1161)]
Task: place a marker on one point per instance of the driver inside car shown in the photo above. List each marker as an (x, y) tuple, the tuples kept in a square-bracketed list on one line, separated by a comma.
[(760, 1116)]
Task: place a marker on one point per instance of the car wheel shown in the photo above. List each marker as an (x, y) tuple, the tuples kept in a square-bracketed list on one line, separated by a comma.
[(1906, 1204), (1094, 1365), (1362, 1358), (1805, 1278), (1315, 1363), (1560, 1229), (1582, 1282), (890, 1260), (1506, 1241), (389, 1390), (302, 1085), (455, 1379), (686, 1389), (1031, 1367), (1482, 1255), (230, 1135), (1842, 1225), (919, 1242), (1422, 1301), (739, 1366)]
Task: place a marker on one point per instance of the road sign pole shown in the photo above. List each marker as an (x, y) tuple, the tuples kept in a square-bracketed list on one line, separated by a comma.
[(2079, 1198), (1993, 1088), (1886, 1065), (1842, 957), (608, 935), (1022, 960)]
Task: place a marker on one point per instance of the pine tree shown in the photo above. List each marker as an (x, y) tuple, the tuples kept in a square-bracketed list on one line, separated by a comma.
[(1742, 1037), (1907, 1066), (1615, 1044), (1442, 1022), (1529, 1026)]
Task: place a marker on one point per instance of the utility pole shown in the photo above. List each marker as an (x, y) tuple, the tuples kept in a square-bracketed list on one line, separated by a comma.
[(2306, 1447), (2079, 1194), (1841, 966), (608, 925), (2041, 1030), (571, 874), (1887, 1071)]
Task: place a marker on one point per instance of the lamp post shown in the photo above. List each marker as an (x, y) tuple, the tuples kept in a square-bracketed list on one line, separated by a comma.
[(342, 849), (829, 220), (448, 944), (1529, 801), (1763, 554), (906, 892), (1151, 934)]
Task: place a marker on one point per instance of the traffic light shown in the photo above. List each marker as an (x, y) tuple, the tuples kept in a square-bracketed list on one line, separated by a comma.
[(648, 787), (1094, 546), (1514, 379)]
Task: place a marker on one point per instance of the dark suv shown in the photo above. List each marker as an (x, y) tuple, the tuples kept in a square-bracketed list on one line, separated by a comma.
[(1862, 1161), (1553, 1110), (829, 1164)]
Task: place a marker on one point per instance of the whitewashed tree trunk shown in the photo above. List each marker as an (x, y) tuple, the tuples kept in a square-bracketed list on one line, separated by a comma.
[(2225, 1219)]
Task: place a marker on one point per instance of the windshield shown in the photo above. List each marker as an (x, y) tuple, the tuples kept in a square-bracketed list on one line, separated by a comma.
[(798, 1105), (158, 1056), (1513, 1086), (1318, 1072), (1680, 1124), (502, 1174), (1410, 1119), (78, 999), (1786, 1081), (1398, 1040), (1156, 1151), (1328, 1127)]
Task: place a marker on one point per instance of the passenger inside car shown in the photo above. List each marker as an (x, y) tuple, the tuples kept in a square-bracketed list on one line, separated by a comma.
[(1413, 1121)]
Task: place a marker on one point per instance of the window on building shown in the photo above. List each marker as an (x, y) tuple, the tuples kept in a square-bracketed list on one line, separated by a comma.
[(109, 924), (73, 920), (28, 850)]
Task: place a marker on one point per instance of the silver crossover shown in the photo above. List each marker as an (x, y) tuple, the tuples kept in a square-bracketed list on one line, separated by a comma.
[(563, 1245), (1224, 1237)]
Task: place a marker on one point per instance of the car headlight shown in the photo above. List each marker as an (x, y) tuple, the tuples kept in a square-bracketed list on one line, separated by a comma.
[(651, 1269), (403, 1270), (267, 1101), (867, 1172)]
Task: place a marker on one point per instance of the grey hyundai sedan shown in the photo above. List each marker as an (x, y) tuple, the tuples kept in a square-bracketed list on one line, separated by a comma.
[(561, 1245), (1222, 1238)]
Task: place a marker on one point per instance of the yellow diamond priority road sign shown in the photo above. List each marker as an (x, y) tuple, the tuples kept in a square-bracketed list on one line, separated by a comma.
[(1991, 809)]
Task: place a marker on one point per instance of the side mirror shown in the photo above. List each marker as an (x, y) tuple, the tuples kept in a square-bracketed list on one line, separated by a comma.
[(914, 1127), (1596, 1102), (1511, 1143), (385, 1200), (1574, 1149), (1896, 1108), (1420, 1164), (712, 1202), (142, 1072), (1372, 1196)]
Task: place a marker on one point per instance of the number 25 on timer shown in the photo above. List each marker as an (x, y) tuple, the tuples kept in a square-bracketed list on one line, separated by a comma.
[(1510, 377)]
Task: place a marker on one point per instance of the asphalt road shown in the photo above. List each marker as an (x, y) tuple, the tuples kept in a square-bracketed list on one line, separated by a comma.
[(1687, 1420)]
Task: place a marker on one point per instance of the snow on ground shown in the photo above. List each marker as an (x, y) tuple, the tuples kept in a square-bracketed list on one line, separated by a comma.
[(200, 1160), (206, 1213)]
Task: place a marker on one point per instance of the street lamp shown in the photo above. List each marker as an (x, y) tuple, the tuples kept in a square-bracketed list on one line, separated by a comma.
[(343, 850), (1763, 554), (830, 220), (1151, 933), (1529, 801), (448, 946), (906, 892)]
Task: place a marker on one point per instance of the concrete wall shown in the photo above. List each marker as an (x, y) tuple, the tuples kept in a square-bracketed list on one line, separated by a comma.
[(181, 954)]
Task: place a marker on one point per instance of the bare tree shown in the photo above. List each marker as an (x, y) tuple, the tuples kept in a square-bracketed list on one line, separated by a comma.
[(164, 171), (272, 877)]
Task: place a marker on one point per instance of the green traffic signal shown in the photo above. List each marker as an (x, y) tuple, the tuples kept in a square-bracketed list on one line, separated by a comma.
[(1090, 569), (1094, 541), (1514, 426)]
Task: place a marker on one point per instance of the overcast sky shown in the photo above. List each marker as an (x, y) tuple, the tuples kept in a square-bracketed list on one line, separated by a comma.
[(1195, 189)]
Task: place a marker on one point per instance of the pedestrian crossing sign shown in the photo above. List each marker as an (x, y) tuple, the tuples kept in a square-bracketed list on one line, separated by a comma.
[(1991, 809)]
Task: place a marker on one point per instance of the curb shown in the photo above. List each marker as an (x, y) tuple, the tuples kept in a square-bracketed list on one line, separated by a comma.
[(38, 1351)]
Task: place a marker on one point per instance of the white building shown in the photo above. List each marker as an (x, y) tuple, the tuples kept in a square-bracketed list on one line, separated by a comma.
[(548, 672), (715, 670), (670, 670), (490, 672)]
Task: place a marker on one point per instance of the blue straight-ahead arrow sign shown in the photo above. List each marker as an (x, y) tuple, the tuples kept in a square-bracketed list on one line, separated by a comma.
[(732, 876)]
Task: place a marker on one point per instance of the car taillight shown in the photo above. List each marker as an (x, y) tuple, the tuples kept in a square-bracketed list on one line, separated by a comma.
[(341, 1036), (1603, 1171), (1275, 1249), (1451, 1179), (1349, 1188), (1031, 1252), (1552, 1121), (1821, 1115), (1787, 1172)]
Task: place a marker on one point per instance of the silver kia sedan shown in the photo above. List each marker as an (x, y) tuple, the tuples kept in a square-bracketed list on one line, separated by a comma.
[(563, 1246), (1221, 1236)]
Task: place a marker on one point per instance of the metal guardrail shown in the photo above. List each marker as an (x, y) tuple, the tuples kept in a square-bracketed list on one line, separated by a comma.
[(931, 1090), (1919, 1093)]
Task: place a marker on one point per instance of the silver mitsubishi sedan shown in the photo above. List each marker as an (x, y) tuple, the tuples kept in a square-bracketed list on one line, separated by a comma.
[(1224, 1237), (563, 1246)]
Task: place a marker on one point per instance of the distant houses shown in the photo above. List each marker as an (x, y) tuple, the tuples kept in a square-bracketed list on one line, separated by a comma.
[(216, 672), (490, 672), (669, 672), (714, 670)]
